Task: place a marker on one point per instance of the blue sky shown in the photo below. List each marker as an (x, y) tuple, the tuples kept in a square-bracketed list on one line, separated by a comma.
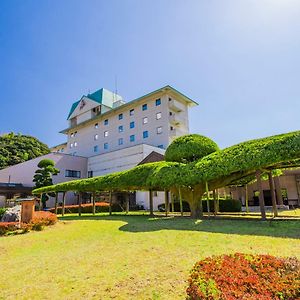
[(239, 59)]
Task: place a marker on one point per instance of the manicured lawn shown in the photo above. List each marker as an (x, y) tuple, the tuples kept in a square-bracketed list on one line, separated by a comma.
[(128, 257)]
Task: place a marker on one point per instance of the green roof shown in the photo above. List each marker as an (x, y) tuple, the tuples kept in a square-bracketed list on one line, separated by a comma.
[(101, 96)]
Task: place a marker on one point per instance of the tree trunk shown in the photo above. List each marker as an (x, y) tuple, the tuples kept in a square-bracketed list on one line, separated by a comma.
[(278, 191), (195, 202), (246, 198), (273, 196), (127, 203), (110, 203), (167, 204), (63, 204), (79, 203), (151, 202), (207, 199), (261, 196), (56, 202), (180, 202), (172, 202), (215, 202), (94, 203)]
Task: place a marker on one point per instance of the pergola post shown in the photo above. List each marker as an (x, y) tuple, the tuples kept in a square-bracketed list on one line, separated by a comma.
[(215, 202), (94, 202), (40, 202), (261, 195), (127, 203), (246, 198), (273, 195), (180, 201), (172, 203), (110, 202), (278, 191), (151, 202), (167, 204), (63, 204), (207, 198), (79, 203), (56, 202)]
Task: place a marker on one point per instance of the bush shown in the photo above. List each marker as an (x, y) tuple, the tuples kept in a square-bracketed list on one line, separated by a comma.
[(2, 211), (43, 218), (245, 276), (6, 227), (228, 205)]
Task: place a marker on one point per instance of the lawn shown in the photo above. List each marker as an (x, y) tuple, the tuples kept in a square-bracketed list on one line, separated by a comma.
[(128, 257)]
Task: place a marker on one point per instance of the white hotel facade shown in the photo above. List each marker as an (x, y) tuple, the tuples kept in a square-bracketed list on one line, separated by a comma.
[(105, 134)]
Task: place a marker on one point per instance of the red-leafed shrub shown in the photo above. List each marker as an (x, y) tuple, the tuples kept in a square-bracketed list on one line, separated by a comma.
[(8, 226), (41, 219), (245, 276)]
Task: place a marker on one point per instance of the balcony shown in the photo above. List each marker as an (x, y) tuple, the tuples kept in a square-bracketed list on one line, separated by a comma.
[(176, 132), (175, 119), (176, 105)]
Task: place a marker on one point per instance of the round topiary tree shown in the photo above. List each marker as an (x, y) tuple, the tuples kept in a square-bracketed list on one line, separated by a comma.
[(189, 148)]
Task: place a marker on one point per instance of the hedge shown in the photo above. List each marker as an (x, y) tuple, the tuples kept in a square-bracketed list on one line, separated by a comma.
[(228, 205), (240, 160)]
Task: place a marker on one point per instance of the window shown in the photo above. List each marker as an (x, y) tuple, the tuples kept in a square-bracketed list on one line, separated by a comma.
[(144, 107), (131, 124), (170, 113), (145, 120), (132, 138), (131, 112), (106, 122), (171, 128), (72, 134), (96, 148), (121, 128), (155, 194), (145, 134), (96, 126), (120, 116), (90, 174), (75, 144), (170, 99), (105, 146), (72, 173), (120, 141), (105, 133), (159, 130), (161, 146), (96, 136), (71, 145), (157, 102), (158, 116), (62, 150)]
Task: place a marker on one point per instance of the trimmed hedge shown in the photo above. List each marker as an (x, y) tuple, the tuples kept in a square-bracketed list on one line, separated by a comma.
[(219, 167), (189, 148), (228, 205)]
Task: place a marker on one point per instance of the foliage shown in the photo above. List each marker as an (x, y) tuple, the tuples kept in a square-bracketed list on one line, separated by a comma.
[(219, 169), (17, 148), (2, 211), (245, 276), (229, 205), (44, 218), (43, 176), (6, 227), (189, 148)]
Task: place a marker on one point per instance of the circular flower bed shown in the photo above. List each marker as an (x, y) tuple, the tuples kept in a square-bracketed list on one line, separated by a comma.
[(245, 276)]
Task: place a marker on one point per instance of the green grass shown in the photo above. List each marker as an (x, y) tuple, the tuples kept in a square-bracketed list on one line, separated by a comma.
[(128, 257)]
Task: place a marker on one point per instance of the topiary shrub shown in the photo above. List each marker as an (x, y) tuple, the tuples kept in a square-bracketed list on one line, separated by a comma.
[(245, 276), (6, 227), (2, 211), (189, 148)]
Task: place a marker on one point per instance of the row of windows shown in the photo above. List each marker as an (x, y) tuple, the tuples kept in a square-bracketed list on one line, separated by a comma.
[(131, 139), (72, 173), (131, 112)]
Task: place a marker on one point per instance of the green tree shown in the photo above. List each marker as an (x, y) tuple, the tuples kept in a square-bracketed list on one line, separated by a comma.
[(17, 148), (43, 176)]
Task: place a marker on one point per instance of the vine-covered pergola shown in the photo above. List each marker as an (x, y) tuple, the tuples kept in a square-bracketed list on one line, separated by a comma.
[(195, 165)]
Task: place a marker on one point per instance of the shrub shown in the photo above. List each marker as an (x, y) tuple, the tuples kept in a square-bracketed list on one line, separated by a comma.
[(245, 276), (42, 218), (6, 227), (225, 205), (73, 209), (2, 211)]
